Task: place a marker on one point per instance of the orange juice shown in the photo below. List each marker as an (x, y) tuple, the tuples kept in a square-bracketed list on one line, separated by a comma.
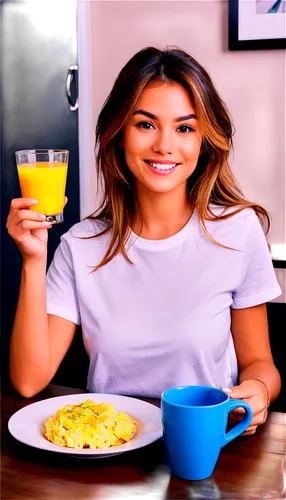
[(45, 182)]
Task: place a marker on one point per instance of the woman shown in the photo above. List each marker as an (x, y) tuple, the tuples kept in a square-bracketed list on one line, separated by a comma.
[(170, 278)]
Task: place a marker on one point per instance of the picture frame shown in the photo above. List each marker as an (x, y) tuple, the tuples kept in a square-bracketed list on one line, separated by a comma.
[(256, 24)]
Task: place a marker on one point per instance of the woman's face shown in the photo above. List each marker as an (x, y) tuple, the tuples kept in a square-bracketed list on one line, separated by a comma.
[(162, 140)]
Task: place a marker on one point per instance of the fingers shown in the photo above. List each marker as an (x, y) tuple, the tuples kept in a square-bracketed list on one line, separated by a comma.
[(254, 424), (26, 219), (257, 409), (248, 391), (240, 412), (236, 417), (249, 431), (20, 206), (29, 225), (20, 203), (21, 220), (258, 419), (242, 391), (20, 231), (21, 215)]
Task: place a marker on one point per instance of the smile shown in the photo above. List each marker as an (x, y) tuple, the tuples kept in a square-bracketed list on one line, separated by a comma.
[(162, 167)]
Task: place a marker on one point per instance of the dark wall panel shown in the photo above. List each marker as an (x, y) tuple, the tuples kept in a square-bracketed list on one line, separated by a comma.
[(39, 43)]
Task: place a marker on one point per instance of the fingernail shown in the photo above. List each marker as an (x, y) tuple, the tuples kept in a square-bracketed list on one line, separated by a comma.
[(46, 223), (226, 389), (33, 202), (41, 216)]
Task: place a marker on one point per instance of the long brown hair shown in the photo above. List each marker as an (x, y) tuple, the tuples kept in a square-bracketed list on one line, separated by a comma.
[(212, 180)]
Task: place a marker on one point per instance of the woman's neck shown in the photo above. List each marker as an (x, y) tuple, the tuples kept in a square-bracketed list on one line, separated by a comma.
[(161, 215)]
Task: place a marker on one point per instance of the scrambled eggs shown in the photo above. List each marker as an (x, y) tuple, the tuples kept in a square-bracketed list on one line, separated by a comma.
[(89, 425)]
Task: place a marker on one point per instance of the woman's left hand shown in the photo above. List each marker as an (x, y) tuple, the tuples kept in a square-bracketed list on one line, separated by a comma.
[(255, 394)]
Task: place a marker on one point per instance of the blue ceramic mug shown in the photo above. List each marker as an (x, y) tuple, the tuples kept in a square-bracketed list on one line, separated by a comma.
[(194, 425)]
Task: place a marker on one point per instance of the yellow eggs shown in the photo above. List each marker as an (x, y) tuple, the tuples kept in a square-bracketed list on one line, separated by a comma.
[(89, 425)]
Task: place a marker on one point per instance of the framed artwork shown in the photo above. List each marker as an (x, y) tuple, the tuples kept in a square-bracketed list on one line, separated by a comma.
[(256, 24)]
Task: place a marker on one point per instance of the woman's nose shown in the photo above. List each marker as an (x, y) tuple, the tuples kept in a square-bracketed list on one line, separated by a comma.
[(163, 143)]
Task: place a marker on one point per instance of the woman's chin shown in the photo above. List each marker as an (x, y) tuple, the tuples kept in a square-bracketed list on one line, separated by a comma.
[(161, 187)]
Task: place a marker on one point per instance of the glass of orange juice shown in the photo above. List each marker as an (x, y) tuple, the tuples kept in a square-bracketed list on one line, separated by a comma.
[(42, 175)]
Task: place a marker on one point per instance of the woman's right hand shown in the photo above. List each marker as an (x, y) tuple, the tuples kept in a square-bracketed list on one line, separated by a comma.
[(28, 229)]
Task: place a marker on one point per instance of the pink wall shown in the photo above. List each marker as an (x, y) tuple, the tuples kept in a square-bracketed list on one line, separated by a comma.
[(252, 83)]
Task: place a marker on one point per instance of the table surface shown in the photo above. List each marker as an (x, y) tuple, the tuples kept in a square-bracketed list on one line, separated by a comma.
[(250, 467)]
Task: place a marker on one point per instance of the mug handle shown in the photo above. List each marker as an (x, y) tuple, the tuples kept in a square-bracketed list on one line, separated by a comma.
[(243, 424)]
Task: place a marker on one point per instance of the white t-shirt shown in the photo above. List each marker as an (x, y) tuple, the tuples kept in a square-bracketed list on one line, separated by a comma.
[(164, 320)]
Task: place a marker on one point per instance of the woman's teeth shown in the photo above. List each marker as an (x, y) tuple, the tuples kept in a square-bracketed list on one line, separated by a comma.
[(161, 166)]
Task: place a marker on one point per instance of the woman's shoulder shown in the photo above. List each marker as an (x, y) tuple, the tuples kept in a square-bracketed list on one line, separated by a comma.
[(235, 215), (234, 211), (84, 242), (231, 226), (85, 236), (87, 228)]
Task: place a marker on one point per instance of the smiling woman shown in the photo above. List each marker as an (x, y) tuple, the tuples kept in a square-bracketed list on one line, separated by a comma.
[(166, 143), (169, 279), (188, 127)]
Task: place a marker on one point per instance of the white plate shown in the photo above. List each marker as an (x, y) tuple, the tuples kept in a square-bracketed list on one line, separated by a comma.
[(26, 425)]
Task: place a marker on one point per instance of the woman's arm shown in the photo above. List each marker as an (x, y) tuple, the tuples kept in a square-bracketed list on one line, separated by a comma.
[(255, 363), (39, 341), (251, 339)]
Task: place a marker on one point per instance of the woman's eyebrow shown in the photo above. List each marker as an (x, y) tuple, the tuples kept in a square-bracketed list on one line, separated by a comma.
[(154, 117)]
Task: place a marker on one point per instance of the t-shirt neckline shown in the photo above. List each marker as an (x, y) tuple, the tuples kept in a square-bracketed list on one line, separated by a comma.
[(166, 243)]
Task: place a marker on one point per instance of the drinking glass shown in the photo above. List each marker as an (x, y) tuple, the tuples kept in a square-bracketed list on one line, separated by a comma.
[(42, 175)]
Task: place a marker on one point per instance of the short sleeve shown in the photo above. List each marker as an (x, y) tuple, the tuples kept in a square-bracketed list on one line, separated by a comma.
[(62, 297), (258, 282)]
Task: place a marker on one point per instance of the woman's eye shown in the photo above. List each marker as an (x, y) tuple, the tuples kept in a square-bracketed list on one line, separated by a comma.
[(145, 125), (185, 129), (148, 126)]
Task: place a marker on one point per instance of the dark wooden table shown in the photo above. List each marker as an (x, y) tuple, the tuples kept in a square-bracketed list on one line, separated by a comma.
[(248, 468)]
